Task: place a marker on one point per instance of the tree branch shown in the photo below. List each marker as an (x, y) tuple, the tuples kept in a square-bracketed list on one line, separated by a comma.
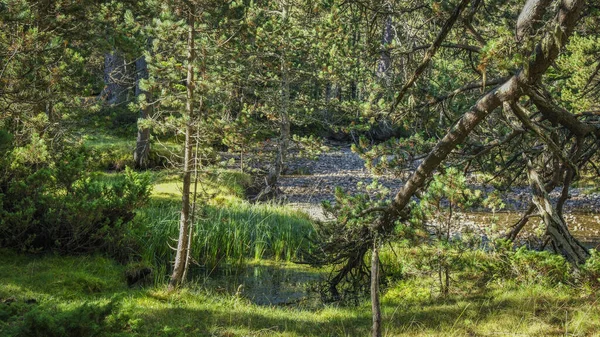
[(431, 51)]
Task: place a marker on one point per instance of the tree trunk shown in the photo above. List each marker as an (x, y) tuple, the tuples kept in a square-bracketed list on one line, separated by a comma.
[(284, 126), (544, 55), (184, 222), (375, 306), (385, 128), (556, 228), (142, 147), (385, 60), (115, 79)]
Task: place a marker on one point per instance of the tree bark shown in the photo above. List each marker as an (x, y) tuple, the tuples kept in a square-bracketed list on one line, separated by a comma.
[(385, 59), (527, 21), (544, 54), (556, 228), (284, 124), (184, 222), (142, 147), (115, 78), (375, 306)]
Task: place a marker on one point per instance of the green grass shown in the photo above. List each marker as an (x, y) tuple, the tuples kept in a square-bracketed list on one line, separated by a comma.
[(88, 295), (115, 152), (227, 229)]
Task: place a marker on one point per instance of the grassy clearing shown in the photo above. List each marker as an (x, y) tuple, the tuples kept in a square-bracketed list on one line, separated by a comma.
[(529, 295), (115, 152), (77, 296)]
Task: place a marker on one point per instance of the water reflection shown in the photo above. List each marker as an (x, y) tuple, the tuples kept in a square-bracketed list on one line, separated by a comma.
[(286, 284), (262, 284)]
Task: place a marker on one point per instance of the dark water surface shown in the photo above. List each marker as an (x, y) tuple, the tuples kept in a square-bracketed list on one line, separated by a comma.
[(283, 284)]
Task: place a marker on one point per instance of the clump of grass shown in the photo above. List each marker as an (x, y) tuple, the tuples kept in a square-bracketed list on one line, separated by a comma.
[(228, 234), (227, 230)]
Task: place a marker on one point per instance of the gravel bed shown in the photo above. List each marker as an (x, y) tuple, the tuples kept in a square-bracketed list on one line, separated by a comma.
[(341, 167)]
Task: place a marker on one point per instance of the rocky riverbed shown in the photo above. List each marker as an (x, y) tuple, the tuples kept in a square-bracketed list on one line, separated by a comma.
[(341, 167), (307, 183)]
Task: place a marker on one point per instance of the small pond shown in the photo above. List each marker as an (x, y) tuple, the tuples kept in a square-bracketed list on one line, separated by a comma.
[(277, 284), (288, 284)]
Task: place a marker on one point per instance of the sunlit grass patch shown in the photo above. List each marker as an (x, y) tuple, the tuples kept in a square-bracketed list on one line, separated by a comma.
[(61, 304)]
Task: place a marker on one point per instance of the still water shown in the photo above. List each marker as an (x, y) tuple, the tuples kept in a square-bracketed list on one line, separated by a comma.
[(282, 284)]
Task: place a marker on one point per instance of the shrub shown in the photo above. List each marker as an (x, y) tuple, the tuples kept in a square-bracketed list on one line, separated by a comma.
[(56, 203), (590, 271), (88, 319), (533, 266)]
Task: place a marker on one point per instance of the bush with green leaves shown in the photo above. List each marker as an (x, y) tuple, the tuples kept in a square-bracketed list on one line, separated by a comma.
[(87, 319), (591, 269), (49, 200)]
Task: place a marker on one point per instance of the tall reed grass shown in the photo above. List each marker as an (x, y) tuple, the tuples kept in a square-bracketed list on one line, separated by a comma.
[(226, 234), (227, 229)]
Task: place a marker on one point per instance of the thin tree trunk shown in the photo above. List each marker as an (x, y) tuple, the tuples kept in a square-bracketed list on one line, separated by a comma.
[(375, 306), (184, 223), (194, 205), (284, 125), (385, 59), (142, 147)]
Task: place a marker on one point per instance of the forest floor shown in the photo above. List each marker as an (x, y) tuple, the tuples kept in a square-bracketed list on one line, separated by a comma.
[(88, 296)]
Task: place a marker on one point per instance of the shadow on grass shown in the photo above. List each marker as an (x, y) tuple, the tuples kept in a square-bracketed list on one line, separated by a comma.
[(65, 283)]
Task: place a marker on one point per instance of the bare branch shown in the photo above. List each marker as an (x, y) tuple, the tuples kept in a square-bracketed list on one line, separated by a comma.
[(524, 117)]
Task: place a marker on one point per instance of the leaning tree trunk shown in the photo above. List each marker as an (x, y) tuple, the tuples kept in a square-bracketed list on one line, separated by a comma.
[(544, 55), (184, 222), (142, 146), (555, 226)]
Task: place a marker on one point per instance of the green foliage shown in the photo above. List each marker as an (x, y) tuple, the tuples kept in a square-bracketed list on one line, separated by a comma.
[(52, 201), (580, 63), (591, 269), (410, 306), (394, 155), (535, 267), (226, 234), (353, 210), (447, 193), (227, 229), (88, 319)]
